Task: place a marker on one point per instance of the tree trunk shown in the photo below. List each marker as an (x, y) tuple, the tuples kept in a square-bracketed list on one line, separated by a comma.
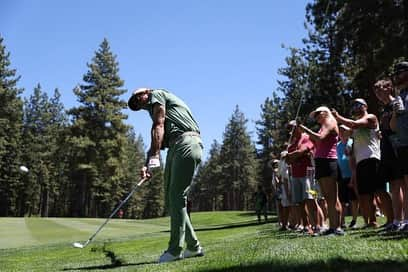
[(45, 203)]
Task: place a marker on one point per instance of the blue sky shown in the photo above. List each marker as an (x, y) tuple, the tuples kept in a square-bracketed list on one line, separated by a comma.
[(213, 54)]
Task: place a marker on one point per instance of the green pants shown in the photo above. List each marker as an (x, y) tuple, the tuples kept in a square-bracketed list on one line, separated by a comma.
[(181, 162)]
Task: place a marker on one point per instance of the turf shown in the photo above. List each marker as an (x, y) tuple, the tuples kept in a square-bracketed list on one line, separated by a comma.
[(233, 241)]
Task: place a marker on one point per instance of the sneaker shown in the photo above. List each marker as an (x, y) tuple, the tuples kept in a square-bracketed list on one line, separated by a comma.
[(393, 228), (168, 257), (199, 252), (352, 224), (299, 229), (386, 225), (283, 228), (307, 231), (339, 232), (328, 232), (404, 227)]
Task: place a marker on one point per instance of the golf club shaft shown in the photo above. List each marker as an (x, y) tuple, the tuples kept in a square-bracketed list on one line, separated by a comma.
[(116, 210)]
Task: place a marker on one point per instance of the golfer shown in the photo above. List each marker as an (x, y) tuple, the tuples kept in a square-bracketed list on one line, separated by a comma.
[(174, 128)]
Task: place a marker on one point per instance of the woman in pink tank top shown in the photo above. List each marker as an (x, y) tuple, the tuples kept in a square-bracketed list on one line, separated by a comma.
[(326, 164)]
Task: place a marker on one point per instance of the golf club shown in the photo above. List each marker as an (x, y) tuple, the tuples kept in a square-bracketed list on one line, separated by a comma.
[(79, 245)]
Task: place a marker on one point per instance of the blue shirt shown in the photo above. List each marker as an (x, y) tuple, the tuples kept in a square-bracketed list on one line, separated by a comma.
[(343, 159)]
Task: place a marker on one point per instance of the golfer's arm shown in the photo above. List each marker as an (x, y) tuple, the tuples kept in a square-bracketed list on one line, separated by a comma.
[(159, 115)]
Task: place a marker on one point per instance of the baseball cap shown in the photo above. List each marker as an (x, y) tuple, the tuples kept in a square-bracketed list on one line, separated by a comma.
[(319, 109), (292, 123), (400, 67), (344, 127), (361, 101), (133, 100)]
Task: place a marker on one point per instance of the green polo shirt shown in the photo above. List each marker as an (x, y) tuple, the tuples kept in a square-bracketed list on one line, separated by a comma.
[(178, 116)]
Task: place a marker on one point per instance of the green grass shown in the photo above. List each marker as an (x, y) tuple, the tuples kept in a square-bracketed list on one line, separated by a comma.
[(233, 241)]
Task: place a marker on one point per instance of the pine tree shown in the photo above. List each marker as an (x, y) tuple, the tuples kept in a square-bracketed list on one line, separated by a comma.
[(136, 158), (362, 37), (271, 133), (154, 205), (239, 164), (11, 117), (59, 181), (206, 194), (99, 137), (36, 153)]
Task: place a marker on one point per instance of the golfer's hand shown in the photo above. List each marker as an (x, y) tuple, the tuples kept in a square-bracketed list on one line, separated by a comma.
[(153, 162), (145, 173)]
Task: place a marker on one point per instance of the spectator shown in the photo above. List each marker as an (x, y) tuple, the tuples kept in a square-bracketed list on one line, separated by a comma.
[(298, 157), (283, 176), (347, 192), (391, 168), (367, 153), (120, 213), (276, 190), (326, 164), (260, 204), (399, 120)]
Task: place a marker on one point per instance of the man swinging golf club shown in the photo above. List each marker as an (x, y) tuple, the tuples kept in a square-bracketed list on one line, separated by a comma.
[(174, 128)]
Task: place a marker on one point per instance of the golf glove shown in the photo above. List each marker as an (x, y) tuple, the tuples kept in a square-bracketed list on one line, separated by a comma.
[(154, 162)]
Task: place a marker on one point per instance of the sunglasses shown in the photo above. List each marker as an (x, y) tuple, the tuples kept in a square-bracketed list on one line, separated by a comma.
[(357, 105)]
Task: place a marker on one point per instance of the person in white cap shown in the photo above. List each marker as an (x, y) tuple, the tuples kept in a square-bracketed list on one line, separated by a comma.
[(174, 128), (325, 158), (367, 153)]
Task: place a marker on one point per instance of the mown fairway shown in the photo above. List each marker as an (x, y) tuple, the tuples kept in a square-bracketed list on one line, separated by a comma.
[(233, 242)]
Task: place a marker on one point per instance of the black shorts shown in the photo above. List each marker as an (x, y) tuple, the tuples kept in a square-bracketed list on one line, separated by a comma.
[(368, 179), (346, 194), (325, 168), (403, 158), (391, 170)]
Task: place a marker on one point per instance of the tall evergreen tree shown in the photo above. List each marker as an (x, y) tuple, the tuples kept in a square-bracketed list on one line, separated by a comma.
[(99, 137), (269, 130), (239, 164), (11, 118), (37, 154), (59, 182), (44, 124), (136, 158), (153, 201), (368, 35), (206, 194)]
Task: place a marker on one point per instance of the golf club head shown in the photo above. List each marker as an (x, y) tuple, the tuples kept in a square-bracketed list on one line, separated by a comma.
[(78, 245)]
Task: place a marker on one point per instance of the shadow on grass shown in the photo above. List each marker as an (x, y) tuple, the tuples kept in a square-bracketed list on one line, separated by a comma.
[(336, 264), (108, 266), (393, 235), (252, 213), (232, 226)]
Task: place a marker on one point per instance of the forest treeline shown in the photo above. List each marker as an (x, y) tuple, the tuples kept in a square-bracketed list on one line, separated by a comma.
[(82, 161)]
